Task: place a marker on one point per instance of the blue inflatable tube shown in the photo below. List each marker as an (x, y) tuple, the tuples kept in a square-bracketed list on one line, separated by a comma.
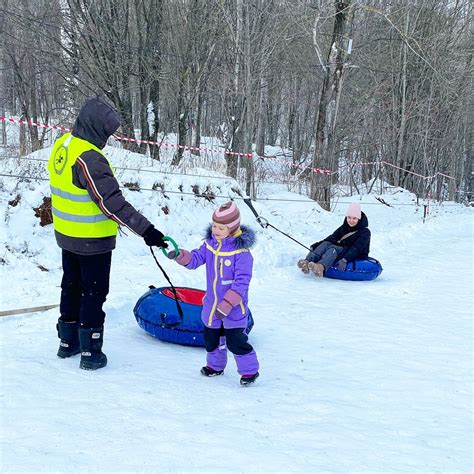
[(157, 314), (358, 270)]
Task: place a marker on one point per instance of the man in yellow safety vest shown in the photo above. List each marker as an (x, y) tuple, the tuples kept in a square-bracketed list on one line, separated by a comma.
[(88, 207)]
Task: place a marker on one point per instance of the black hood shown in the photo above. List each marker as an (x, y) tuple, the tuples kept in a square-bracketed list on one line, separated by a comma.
[(362, 224), (96, 122)]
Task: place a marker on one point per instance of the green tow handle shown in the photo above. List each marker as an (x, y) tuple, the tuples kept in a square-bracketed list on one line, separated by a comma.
[(167, 238)]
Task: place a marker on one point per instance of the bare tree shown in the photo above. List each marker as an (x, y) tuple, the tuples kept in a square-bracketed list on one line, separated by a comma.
[(30, 77), (253, 72), (334, 69), (149, 20), (192, 37)]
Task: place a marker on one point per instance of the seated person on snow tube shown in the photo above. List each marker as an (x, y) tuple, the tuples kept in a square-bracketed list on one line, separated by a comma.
[(349, 242)]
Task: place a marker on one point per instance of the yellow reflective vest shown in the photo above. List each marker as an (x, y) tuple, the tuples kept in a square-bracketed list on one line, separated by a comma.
[(75, 214)]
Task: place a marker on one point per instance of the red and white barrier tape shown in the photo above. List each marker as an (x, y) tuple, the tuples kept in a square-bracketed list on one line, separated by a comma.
[(322, 171), (34, 124), (438, 173), (181, 147), (325, 172)]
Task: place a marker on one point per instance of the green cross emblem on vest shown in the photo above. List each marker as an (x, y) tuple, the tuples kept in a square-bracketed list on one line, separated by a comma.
[(60, 159)]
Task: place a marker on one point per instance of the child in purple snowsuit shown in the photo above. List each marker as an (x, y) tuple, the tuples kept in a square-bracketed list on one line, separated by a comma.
[(228, 260)]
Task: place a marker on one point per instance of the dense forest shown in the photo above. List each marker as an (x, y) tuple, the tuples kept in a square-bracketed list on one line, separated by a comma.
[(371, 89)]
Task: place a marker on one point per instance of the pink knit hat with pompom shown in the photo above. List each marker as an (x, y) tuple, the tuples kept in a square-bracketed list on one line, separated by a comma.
[(229, 215), (354, 210)]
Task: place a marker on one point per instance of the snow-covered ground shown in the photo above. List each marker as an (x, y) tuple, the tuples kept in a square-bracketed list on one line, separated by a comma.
[(356, 377)]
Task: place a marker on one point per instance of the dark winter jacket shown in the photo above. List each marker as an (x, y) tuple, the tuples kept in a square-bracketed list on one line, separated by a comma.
[(96, 122), (356, 245)]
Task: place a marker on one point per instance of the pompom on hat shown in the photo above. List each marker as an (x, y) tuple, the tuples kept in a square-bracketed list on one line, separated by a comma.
[(354, 210), (229, 215)]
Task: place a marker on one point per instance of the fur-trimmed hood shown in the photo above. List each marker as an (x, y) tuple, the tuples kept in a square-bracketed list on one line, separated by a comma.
[(245, 240)]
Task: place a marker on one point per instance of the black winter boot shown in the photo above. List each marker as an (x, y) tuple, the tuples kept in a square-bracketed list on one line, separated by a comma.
[(210, 372), (92, 357), (248, 379), (69, 335)]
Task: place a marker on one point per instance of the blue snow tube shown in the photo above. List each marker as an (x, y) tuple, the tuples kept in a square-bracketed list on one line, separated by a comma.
[(157, 314), (358, 270)]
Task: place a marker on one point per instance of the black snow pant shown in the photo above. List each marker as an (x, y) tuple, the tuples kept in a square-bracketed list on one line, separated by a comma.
[(85, 286), (236, 340)]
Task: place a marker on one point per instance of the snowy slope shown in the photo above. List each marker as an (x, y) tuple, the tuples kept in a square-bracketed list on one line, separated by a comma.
[(355, 376)]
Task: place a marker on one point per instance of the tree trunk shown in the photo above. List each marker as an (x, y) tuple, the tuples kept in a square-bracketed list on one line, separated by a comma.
[(154, 104), (197, 127), (237, 113), (468, 164), (403, 119), (261, 120), (3, 134), (328, 104), (183, 113)]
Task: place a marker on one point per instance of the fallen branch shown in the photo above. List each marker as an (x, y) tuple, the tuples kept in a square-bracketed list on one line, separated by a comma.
[(383, 202)]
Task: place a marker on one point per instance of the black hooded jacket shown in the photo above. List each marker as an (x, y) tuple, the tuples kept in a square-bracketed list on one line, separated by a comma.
[(357, 245), (96, 122)]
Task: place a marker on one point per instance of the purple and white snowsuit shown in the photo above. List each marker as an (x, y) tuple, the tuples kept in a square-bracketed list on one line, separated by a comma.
[(229, 266)]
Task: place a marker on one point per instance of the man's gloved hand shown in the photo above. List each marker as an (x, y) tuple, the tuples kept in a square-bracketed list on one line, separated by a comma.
[(153, 237), (341, 266)]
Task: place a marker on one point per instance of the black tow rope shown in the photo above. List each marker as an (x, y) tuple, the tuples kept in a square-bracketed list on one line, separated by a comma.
[(173, 289), (264, 223)]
